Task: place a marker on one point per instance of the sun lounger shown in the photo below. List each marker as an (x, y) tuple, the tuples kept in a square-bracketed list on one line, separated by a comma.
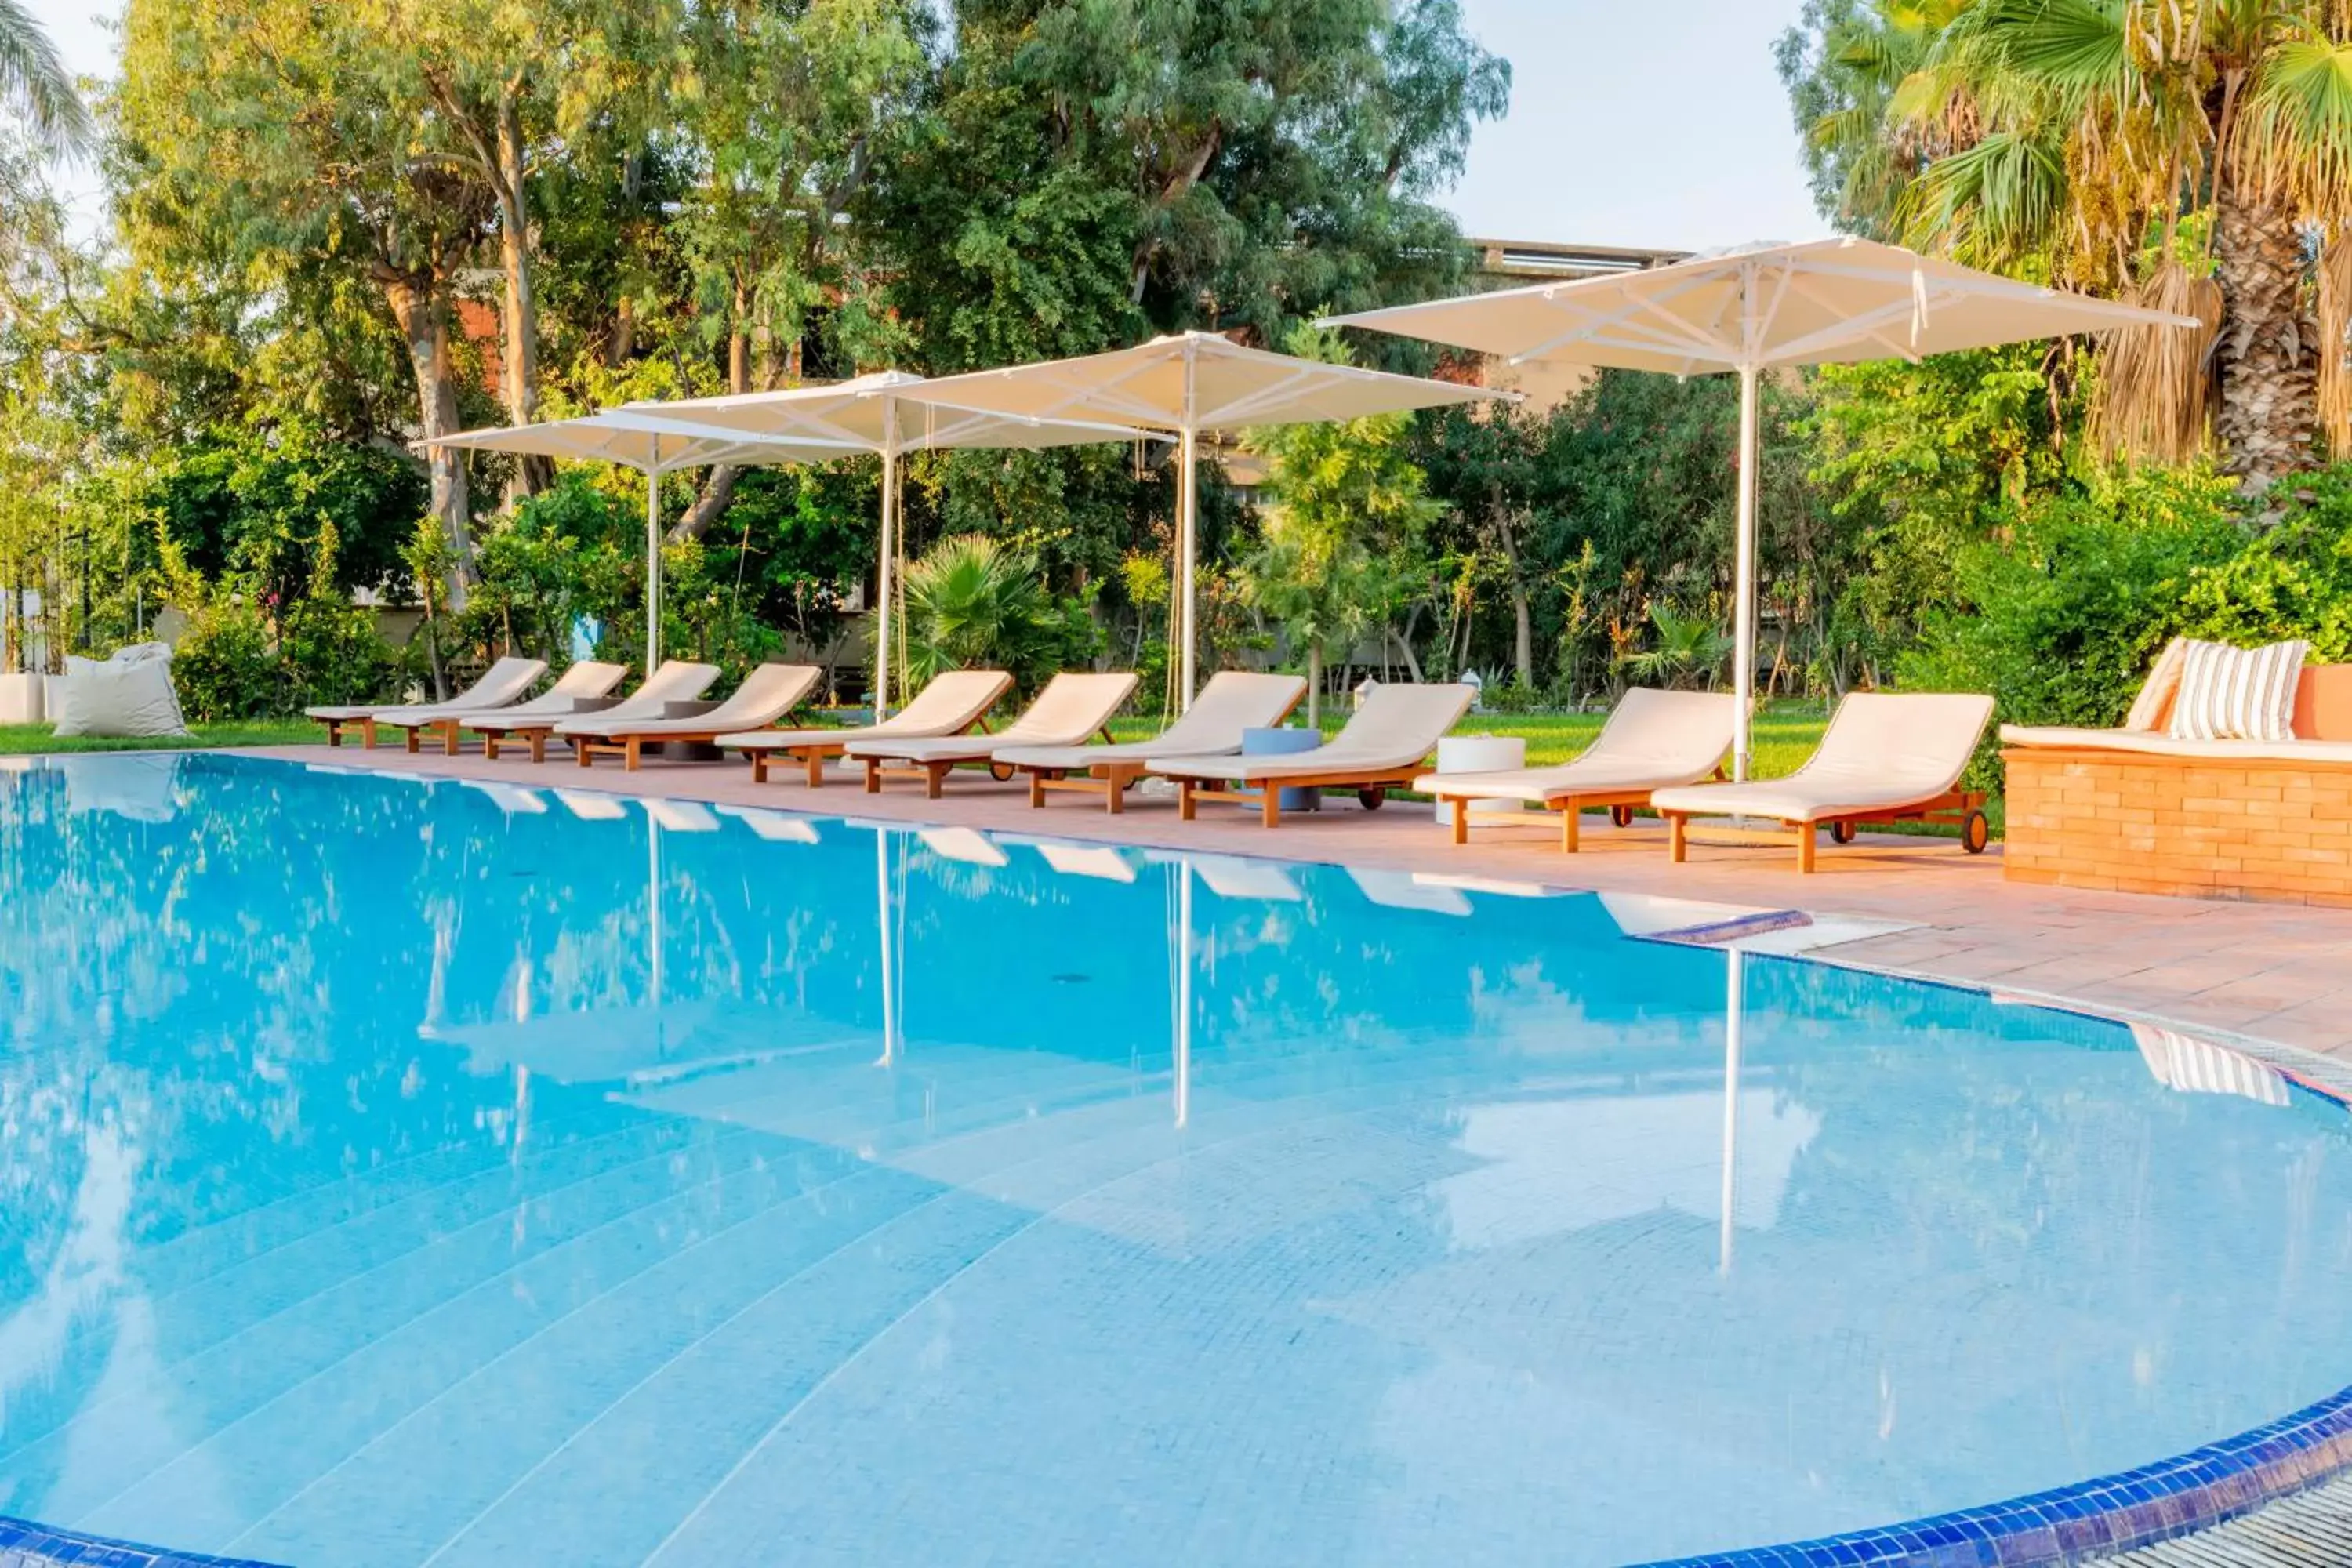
[(949, 705), (1232, 702), (1070, 708), (1887, 757), (1387, 744), (583, 689), (768, 694), (504, 682), (1654, 739), (673, 690)]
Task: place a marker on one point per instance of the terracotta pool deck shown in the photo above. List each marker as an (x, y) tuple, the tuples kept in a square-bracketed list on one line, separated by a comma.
[(2279, 974)]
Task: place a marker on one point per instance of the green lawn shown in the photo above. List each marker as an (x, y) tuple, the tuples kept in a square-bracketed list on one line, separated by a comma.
[(16, 740)]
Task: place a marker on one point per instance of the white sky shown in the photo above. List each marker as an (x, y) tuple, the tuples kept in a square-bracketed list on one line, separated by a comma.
[(1637, 122)]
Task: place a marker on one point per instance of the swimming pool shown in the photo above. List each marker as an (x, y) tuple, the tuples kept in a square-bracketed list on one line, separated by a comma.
[(410, 1175)]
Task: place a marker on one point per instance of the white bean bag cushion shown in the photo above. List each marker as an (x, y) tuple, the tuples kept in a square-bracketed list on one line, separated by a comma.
[(134, 699)]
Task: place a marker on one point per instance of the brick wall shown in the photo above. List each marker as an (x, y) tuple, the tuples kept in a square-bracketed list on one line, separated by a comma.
[(2143, 824)]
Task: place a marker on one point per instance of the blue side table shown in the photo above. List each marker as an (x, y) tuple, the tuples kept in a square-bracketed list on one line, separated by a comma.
[(1284, 743)]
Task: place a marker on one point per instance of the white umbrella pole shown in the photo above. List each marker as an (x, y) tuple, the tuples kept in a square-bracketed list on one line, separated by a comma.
[(653, 560), (1743, 637), (1734, 1020), (1188, 500), (889, 558), (889, 953), (1183, 1065)]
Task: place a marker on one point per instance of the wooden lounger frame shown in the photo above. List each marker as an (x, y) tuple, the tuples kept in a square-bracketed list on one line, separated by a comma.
[(1111, 779), (630, 747), (934, 774), (813, 754), (366, 723), (1960, 807), (1570, 807), (535, 735), (1371, 787)]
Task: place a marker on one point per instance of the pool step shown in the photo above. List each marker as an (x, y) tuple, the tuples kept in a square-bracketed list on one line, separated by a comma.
[(2310, 1530)]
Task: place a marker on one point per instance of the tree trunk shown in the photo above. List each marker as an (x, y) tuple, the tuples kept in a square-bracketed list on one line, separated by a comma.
[(711, 502), (2269, 407), (1522, 635), (531, 474), (424, 318), (1314, 686)]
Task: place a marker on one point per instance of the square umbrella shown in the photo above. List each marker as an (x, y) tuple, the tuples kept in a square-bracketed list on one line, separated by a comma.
[(888, 412), (1188, 386), (653, 448), (1823, 301)]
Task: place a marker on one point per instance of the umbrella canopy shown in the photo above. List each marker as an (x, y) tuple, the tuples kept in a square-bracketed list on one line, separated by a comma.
[(1189, 386), (1821, 302), (653, 448), (887, 413)]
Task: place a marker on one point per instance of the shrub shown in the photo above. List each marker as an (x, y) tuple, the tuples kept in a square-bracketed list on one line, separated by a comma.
[(974, 603), (224, 668), (2060, 620)]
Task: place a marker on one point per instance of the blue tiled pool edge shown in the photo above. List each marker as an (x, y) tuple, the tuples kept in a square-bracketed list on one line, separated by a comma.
[(2137, 1508), (23, 1544)]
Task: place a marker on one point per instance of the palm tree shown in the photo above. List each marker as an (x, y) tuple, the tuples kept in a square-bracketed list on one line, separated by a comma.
[(34, 82), (2183, 149), (974, 603)]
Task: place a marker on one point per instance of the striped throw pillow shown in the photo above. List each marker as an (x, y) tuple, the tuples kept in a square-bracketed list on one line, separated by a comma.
[(2154, 700), (2237, 694)]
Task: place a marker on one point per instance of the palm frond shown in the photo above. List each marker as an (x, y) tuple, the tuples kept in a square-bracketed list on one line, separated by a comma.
[(2156, 384), (34, 82), (2296, 135), (2335, 341)]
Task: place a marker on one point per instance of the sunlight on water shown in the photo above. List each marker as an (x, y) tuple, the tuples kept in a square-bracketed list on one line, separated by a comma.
[(401, 1173)]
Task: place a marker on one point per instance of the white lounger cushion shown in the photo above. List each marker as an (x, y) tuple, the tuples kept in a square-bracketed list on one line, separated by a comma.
[(587, 681), (1071, 708), (2157, 743), (767, 694), (954, 702), (1654, 739), (1398, 727), (1884, 751), (1232, 702), (676, 681), (503, 683)]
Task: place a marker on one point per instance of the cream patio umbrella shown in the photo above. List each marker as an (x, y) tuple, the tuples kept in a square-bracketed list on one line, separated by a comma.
[(1823, 301), (653, 448), (888, 414), (1190, 385)]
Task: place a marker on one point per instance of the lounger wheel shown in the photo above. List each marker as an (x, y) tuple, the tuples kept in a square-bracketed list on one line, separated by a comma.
[(1372, 798), (1623, 815), (1975, 833), (1841, 832), (1001, 772)]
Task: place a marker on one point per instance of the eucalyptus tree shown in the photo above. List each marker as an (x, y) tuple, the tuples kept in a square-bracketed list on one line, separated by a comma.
[(521, 82), (299, 148), (2150, 144), (790, 105), (1090, 170)]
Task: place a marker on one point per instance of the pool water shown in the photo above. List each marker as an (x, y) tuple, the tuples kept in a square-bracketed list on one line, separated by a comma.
[(403, 1174)]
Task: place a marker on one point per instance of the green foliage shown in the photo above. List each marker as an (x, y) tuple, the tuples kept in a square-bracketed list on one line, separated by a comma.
[(2294, 581), (1340, 552), (224, 668), (1686, 650), (972, 603), (2061, 620)]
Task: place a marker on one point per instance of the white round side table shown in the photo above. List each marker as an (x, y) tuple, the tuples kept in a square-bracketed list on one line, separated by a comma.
[(1480, 755)]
